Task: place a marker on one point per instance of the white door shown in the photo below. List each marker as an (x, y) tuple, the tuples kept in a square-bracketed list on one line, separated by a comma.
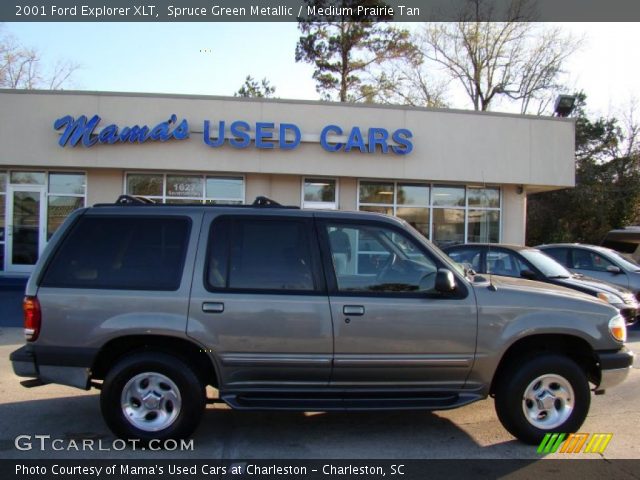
[(26, 209)]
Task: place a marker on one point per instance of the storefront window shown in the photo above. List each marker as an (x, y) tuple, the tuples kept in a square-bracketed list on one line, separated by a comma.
[(374, 192), (484, 226), (66, 193), (184, 189), (448, 214), (182, 186), (67, 183), (448, 196), (144, 185), (225, 189), (320, 193), (484, 215), (59, 208), (32, 178)]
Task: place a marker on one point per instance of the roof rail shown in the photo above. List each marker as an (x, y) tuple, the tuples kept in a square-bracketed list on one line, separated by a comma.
[(136, 200), (133, 200)]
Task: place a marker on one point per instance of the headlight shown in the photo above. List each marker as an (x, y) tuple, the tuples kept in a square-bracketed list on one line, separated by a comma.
[(610, 297), (618, 328)]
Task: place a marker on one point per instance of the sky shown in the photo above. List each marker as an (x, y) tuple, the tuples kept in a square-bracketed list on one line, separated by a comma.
[(214, 58)]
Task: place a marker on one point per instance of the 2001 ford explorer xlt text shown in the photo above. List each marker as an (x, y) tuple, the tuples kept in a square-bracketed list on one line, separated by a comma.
[(281, 308)]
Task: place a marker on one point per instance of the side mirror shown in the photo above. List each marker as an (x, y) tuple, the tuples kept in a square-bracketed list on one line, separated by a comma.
[(613, 269), (445, 281), (528, 274)]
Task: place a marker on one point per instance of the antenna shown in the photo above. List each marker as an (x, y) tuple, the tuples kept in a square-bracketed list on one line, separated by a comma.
[(489, 269)]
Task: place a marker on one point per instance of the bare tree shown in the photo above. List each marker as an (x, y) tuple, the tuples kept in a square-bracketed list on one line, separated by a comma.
[(514, 59), (402, 81), (22, 67)]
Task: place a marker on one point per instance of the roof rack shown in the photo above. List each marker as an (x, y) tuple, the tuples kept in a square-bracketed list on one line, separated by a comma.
[(133, 200), (136, 200)]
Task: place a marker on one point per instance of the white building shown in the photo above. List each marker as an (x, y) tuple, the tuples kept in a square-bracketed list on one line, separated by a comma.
[(457, 176)]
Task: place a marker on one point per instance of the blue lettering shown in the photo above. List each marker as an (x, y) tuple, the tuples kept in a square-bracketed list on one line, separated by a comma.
[(182, 130), (241, 137), (401, 137), (81, 130), (262, 135), (135, 134), (284, 145), (207, 136), (323, 138), (378, 136), (109, 134), (161, 131), (76, 130), (355, 140)]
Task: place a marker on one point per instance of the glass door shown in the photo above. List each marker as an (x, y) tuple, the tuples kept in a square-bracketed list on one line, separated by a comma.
[(25, 232)]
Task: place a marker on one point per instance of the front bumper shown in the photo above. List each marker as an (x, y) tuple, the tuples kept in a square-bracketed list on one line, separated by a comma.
[(614, 367)]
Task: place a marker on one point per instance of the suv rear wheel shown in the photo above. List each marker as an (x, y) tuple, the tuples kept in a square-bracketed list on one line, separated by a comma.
[(547, 393), (152, 395)]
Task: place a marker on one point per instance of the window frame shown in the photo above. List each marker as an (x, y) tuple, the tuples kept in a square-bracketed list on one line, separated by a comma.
[(322, 224), (317, 274)]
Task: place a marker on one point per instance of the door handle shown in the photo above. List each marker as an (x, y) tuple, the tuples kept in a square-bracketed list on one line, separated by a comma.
[(353, 310), (213, 307)]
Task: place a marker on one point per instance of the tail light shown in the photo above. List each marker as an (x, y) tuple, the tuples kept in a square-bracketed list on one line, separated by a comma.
[(32, 317)]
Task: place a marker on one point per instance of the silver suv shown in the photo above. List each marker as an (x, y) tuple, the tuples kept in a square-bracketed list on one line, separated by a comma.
[(281, 308)]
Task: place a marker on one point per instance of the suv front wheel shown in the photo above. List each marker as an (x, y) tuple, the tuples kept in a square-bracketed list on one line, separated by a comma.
[(152, 395), (548, 393)]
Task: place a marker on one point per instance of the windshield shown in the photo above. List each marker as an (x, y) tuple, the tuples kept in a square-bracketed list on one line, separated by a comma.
[(624, 262), (547, 265)]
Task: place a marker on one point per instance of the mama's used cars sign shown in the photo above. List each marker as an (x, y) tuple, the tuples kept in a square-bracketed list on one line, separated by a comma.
[(238, 134)]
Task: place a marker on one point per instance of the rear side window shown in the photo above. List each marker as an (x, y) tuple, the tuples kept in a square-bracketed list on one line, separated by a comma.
[(469, 256), (560, 255), (128, 253), (250, 253)]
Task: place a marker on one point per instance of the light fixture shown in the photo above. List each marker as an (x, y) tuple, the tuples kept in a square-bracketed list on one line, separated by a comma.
[(385, 193), (564, 105)]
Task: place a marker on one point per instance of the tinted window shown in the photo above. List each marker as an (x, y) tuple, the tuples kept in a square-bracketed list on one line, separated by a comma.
[(586, 260), (369, 258), (558, 254), (469, 256), (504, 263), (260, 254), (131, 253)]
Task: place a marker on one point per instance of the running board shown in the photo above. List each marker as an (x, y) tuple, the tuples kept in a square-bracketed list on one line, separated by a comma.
[(346, 401)]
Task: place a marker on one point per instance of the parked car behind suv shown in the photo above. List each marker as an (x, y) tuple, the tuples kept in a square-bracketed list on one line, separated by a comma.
[(152, 303), (597, 262), (533, 264)]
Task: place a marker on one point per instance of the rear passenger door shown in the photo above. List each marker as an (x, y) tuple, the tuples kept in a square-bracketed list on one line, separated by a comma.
[(259, 301)]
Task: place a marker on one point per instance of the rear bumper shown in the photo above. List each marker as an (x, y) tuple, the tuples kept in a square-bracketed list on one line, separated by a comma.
[(26, 362), (614, 367)]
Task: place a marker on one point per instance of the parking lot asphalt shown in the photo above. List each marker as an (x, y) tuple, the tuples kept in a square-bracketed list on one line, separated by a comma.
[(471, 432)]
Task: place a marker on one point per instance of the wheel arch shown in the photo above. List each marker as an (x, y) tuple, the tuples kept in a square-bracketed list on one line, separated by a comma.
[(571, 346), (190, 352)]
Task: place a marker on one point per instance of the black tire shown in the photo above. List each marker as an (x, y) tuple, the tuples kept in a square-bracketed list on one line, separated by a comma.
[(511, 387), (191, 391)]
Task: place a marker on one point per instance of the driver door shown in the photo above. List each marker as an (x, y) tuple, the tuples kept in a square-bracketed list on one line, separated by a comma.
[(391, 328)]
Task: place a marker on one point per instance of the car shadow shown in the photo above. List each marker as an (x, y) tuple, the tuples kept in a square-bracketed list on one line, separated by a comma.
[(230, 434)]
